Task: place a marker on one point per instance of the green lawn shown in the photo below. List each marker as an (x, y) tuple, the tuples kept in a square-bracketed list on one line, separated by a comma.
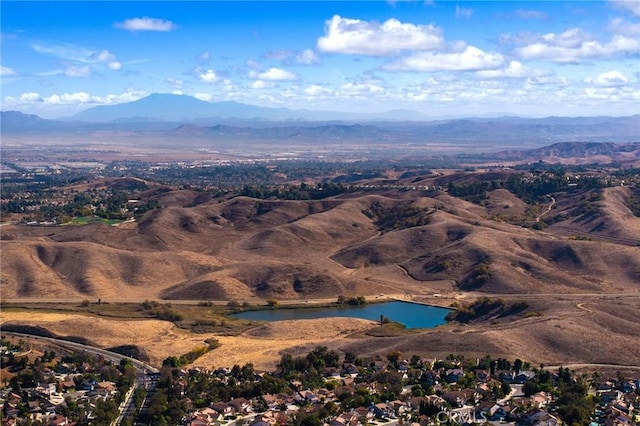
[(84, 220)]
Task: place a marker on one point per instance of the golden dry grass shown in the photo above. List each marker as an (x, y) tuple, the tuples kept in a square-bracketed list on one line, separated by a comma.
[(262, 346), (298, 250)]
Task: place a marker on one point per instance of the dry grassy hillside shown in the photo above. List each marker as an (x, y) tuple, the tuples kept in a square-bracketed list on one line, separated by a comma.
[(600, 215), (580, 276), (242, 247)]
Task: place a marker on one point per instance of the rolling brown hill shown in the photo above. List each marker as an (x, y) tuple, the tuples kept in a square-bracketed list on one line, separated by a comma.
[(580, 275), (244, 247)]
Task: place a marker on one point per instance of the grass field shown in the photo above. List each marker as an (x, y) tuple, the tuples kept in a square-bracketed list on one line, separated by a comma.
[(85, 220)]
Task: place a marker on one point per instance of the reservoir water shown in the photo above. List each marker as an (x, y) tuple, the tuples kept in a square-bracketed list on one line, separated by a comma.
[(412, 315)]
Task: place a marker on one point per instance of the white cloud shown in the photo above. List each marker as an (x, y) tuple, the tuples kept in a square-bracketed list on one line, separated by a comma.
[(514, 70), (316, 90), (104, 56), (574, 45), (77, 71), (227, 86), (361, 88), (66, 51), (129, 95), (204, 96), (24, 99), (470, 59), (463, 12), (71, 99), (624, 27), (261, 84), (307, 57), (6, 71), (353, 36), (145, 24), (273, 74), (609, 79), (632, 6), (613, 94), (115, 65), (208, 76)]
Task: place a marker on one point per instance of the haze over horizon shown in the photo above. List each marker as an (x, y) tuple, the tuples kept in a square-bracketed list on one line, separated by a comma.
[(533, 59)]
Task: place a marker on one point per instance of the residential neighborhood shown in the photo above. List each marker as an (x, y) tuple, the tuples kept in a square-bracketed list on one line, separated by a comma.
[(61, 389), (323, 388)]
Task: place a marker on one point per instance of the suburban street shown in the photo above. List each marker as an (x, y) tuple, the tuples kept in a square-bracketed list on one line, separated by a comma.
[(143, 369)]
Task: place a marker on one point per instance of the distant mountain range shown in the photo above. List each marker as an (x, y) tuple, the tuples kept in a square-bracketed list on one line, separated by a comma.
[(183, 108), (572, 150), (181, 116)]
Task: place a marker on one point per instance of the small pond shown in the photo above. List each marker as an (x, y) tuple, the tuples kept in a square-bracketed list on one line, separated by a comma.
[(412, 315)]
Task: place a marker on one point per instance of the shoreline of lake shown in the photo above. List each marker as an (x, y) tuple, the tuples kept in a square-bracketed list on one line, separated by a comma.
[(409, 313)]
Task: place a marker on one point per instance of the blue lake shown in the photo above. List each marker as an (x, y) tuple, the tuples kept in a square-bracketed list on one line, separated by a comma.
[(412, 315)]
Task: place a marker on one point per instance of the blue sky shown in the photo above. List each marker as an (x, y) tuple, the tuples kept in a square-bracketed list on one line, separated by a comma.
[(439, 58)]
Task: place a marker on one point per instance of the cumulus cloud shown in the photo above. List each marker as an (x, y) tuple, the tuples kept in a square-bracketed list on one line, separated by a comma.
[(77, 98), (463, 12), (21, 100), (632, 6), (7, 72), (361, 88), (261, 84), (273, 74), (104, 56), (109, 58), (356, 37), (316, 90), (307, 57), (514, 70), (574, 45), (228, 87), (145, 24), (208, 76), (77, 71), (470, 59), (609, 79), (623, 27), (70, 99)]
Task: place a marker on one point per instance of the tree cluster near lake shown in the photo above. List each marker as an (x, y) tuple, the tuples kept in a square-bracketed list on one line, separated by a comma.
[(485, 307)]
